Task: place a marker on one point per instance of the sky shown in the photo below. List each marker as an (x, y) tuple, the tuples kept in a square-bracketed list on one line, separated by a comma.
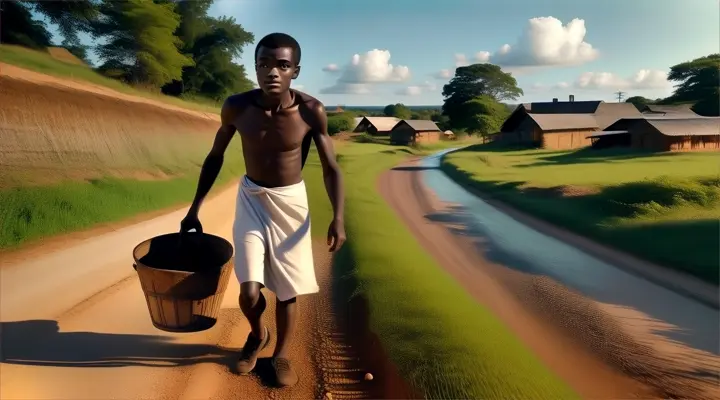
[(377, 52)]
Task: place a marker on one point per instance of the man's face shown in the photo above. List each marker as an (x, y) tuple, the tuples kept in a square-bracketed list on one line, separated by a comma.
[(275, 69)]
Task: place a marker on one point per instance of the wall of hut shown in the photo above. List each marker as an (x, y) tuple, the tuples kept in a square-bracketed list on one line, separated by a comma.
[(567, 139)]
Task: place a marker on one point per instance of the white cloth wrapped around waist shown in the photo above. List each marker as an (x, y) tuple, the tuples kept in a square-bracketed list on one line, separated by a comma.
[(271, 234)]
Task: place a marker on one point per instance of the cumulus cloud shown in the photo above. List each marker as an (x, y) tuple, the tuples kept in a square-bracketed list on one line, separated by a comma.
[(547, 42), (642, 79), (416, 90), (364, 70), (298, 87), (444, 74), (347, 88), (544, 42), (461, 60), (331, 68)]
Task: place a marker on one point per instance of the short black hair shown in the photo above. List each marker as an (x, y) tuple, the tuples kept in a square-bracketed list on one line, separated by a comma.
[(277, 40)]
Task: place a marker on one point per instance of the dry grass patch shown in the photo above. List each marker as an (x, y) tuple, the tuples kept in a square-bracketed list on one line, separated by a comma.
[(51, 134)]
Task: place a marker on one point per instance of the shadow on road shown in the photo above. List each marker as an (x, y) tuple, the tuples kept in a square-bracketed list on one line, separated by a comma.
[(40, 343)]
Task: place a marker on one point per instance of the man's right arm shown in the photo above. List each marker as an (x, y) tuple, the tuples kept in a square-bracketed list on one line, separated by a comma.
[(214, 160)]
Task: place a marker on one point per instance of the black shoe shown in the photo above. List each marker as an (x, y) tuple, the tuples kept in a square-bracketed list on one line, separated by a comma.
[(284, 372), (249, 354)]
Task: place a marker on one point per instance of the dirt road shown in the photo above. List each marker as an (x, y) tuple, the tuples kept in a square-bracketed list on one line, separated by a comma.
[(604, 349), (75, 325)]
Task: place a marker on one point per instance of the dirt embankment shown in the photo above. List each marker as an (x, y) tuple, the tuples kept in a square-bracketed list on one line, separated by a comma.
[(53, 131)]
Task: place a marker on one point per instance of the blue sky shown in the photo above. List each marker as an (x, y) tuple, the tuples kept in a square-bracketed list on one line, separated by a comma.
[(556, 47)]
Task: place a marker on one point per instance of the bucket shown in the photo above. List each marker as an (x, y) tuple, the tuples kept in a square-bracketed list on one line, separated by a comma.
[(184, 277)]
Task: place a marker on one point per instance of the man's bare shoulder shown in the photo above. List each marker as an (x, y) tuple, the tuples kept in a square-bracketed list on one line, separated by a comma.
[(311, 107), (240, 101)]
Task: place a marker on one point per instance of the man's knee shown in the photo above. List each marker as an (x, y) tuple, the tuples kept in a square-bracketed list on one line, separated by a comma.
[(250, 294)]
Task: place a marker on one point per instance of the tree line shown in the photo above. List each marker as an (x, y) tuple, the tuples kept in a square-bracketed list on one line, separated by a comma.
[(697, 83), (474, 96), (170, 45)]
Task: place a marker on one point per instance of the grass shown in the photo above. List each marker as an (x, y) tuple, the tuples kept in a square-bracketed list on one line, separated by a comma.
[(43, 62), (661, 207), (35, 212), (442, 341)]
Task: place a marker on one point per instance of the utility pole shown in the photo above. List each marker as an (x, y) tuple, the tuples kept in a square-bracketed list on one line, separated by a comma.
[(620, 96)]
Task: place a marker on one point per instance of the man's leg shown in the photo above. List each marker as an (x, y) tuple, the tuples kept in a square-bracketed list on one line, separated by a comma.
[(286, 314), (252, 304)]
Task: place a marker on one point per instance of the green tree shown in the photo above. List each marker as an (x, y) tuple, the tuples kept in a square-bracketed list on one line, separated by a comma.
[(473, 81), (141, 47), (697, 81), (213, 44), (339, 123), (442, 121), (398, 111), (639, 101), (71, 17), (484, 115), (18, 27)]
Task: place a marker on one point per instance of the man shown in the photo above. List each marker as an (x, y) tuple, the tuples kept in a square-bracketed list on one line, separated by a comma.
[(271, 232)]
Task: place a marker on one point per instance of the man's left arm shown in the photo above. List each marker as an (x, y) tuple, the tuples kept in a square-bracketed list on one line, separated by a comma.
[(331, 175)]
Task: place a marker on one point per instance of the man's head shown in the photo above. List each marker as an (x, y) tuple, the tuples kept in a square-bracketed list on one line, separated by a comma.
[(277, 62)]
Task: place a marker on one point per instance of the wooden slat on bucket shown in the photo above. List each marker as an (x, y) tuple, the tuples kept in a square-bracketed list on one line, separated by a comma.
[(183, 299)]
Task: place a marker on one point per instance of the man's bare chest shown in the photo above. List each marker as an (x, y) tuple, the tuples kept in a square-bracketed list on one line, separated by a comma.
[(282, 131)]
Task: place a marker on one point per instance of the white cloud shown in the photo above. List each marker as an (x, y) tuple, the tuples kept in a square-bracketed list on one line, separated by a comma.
[(643, 79), (347, 88), (331, 68), (374, 67), (298, 87), (444, 74), (482, 56), (416, 90), (562, 85), (545, 42), (364, 70), (461, 60)]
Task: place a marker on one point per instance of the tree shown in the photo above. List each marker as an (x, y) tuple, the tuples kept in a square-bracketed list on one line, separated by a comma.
[(140, 47), (442, 121), (18, 27), (484, 115), (213, 43), (698, 81), (71, 18), (398, 111), (473, 81), (339, 123), (639, 101)]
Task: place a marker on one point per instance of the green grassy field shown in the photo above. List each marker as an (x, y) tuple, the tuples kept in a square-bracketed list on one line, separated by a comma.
[(443, 342), (661, 207), (34, 212), (42, 62)]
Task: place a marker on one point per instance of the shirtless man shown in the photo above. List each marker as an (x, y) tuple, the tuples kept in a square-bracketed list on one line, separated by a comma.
[(271, 231)]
